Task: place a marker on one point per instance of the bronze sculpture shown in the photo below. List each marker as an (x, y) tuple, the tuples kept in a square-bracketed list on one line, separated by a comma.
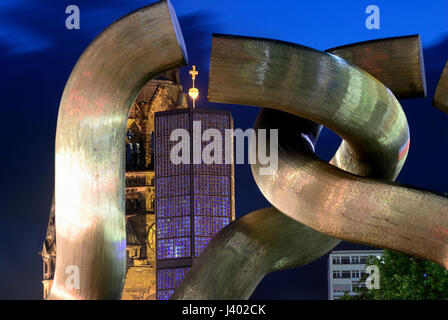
[(90, 151), (352, 199), (305, 187)]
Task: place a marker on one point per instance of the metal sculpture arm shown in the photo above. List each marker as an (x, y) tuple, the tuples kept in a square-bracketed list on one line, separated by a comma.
[(90, 164), (240, 255), (397, 62), (328, 90), (265, 240), (441, 95)]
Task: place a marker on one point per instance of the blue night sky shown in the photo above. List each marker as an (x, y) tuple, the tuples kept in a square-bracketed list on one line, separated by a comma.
[(37, 54)]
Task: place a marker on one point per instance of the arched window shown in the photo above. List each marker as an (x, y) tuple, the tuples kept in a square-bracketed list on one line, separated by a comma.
[(152, 143), (128, 155), (152, 202), (136, 156)]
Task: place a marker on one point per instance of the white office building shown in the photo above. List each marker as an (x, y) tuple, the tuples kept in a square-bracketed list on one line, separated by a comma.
[(345, 268)]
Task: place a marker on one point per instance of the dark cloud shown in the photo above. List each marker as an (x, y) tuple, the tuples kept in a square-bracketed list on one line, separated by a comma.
[(29, 27)]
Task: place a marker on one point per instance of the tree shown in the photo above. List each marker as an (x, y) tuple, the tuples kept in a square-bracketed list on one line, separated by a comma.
[(404, 277)]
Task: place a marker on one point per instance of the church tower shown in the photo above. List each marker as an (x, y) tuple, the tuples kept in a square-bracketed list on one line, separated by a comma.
[(194, 200)]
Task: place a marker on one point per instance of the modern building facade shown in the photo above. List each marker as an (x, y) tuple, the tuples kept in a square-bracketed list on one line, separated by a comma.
[(345, 268), (193, 200)]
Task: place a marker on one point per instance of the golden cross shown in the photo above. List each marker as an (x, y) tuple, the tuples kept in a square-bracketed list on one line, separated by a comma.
[(193, 73), (193, 92)]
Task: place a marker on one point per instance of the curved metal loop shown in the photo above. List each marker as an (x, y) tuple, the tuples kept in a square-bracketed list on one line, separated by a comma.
[(90, 164), (328, 90), (238, 257), (263, 241)]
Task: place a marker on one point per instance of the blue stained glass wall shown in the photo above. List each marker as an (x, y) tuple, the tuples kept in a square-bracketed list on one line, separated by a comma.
[(212, 186), (193, 201), (168, 280)]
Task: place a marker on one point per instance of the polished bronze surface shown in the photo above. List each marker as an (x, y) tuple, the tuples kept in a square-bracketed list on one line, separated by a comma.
[(328, 90), (90, 162), (265, 241), (396, 62), (353, 199), (441, 96), (239, 256)]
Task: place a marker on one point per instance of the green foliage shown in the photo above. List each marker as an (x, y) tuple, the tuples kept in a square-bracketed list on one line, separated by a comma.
[(403, 277)]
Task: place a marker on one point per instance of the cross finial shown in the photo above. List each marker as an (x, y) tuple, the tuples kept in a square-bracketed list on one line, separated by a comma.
[(193, 73), (193, 92)]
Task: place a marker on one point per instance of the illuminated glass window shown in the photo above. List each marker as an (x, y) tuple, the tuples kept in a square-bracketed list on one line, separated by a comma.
[(164, 146), (173, 248), (219, 223), (166, 124), (199, 244), (173, 206), (165, 167), (182, 247), (212, 185), (203, 226), (173, 227), (172, 186), (164, 294), (168, 280), (207, 227), (211, 120), (164, 248), (211, 205), (212, 169)]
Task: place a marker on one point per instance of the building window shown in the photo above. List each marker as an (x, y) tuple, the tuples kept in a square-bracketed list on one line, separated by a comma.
[(355, 274), (336, 260), (129, 149), (345, 260), (136, 156), (345, 274), (356, 260), (363, 260), (342, 288), (336, 274), (152, 202)]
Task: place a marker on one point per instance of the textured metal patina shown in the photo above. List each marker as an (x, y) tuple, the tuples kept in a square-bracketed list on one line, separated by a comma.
[(330, 91), (441, 95), (240, 255), (90, 162), (341, 203), (315, 203), (397, 62)]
